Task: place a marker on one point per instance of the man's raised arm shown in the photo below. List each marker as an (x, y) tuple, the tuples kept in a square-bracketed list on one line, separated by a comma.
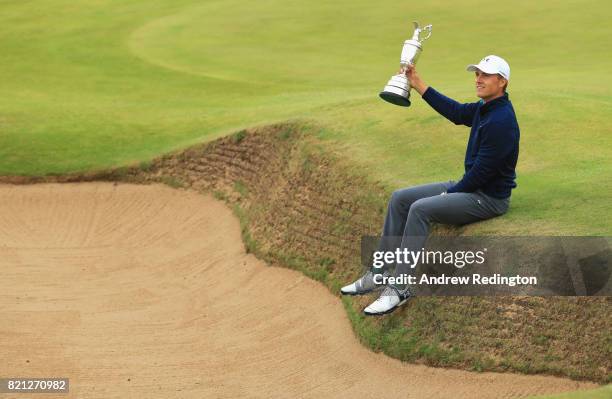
[(459, 114)]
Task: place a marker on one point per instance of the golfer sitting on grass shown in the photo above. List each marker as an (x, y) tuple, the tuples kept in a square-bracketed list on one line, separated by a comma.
[(482, 193)]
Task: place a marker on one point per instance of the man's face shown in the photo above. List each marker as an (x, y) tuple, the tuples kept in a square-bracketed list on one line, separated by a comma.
[(488, 85)]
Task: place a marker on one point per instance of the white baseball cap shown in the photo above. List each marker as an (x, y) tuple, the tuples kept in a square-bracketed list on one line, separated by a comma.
[(492, 64)]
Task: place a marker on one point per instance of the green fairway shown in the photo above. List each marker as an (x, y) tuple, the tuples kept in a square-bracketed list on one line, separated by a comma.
[(102, 83), (601, 393)]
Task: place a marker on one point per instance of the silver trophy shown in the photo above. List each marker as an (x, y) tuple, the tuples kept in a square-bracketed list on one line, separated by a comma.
[(397, 90)]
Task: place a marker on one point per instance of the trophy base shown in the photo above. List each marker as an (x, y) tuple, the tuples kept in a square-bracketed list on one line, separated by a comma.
[(397, 91), (394, 99)]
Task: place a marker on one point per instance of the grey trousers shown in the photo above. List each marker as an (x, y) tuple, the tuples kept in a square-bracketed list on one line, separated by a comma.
[(412, 210)]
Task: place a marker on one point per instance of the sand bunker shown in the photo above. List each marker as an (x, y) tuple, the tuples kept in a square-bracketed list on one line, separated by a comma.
[(147, 292)]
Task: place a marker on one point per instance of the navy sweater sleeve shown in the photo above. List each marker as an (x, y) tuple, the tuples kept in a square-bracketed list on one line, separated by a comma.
[(460, 114), (493, 150)]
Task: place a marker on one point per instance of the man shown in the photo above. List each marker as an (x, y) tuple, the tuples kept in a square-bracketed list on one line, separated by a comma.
[(482, 193)]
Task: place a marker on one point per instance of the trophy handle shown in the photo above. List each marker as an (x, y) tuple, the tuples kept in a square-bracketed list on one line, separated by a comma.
[(418, 30), (428, 30)]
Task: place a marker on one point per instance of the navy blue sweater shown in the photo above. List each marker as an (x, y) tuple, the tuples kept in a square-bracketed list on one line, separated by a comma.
[(493, 147)]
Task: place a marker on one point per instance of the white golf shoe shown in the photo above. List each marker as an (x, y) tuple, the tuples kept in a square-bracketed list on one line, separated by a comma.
[(390, 299), (363, 285)]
